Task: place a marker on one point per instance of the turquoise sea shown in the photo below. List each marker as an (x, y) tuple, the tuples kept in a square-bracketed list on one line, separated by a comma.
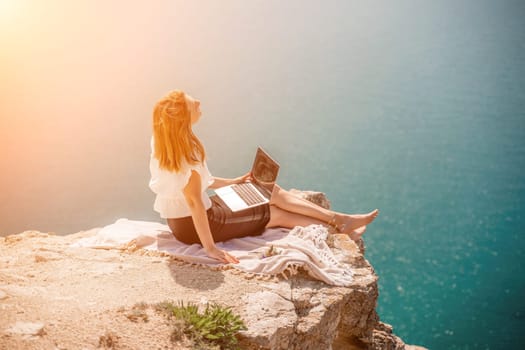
[(414, 107)]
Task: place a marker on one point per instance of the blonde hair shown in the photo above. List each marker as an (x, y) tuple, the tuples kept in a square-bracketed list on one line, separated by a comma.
[(175, 142)]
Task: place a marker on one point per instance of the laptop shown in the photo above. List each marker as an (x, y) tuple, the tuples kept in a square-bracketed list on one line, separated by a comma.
[(257, 192)]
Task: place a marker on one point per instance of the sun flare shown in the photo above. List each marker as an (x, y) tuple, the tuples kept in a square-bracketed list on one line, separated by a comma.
[(8, 10)]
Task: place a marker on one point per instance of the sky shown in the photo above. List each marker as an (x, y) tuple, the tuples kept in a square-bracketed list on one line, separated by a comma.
[(78, 80)]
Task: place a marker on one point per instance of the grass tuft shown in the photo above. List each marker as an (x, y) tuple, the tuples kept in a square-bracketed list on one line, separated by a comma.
[(108, 341), (215, 328)]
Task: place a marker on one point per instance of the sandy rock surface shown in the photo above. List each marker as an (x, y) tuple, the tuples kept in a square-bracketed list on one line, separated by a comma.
[(79, 295)]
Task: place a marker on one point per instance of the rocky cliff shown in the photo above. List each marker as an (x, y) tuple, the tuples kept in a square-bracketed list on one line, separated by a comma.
[(53, 296)]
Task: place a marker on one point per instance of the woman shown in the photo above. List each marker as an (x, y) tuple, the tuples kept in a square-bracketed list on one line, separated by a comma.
[(180, 178)]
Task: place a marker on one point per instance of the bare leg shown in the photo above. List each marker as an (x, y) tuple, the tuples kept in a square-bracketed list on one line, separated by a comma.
[(357, 233), (282, 218), (294, 204)]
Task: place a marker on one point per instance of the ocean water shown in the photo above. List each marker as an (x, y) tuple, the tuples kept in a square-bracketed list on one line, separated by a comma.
[(414, 107)]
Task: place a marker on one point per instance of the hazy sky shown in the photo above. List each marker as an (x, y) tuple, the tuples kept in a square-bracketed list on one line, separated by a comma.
[(78, 80)]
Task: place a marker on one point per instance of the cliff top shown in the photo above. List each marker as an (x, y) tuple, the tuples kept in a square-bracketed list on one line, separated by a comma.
[(54, 296)]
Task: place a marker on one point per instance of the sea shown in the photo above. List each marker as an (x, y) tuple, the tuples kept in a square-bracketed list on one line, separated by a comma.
[(413, 107)]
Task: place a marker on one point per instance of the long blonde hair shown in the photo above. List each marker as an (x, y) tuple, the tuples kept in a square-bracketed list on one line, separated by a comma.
[(175, 142)]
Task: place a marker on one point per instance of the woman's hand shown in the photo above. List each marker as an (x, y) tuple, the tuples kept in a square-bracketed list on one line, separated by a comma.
[(245, 178), (221, 255), (221, 182)]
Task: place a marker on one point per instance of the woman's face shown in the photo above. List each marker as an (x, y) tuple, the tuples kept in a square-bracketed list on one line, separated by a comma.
[(195, 108)]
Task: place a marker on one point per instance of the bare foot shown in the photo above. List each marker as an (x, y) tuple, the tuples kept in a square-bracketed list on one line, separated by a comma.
[(349, 223), (356, 234)]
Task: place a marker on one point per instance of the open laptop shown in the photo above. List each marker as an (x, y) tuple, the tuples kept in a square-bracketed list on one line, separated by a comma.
[(251, 194)]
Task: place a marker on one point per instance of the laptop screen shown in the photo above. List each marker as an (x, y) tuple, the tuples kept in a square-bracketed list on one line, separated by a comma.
[(264, 170)]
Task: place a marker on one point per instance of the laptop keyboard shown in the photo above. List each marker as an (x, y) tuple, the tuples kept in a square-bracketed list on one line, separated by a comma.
[(248, 193)]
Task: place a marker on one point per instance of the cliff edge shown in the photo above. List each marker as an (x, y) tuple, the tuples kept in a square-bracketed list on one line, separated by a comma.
[(53, 296)]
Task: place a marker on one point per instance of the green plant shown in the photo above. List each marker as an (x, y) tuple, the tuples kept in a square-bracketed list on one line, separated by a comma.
[(216, 326)]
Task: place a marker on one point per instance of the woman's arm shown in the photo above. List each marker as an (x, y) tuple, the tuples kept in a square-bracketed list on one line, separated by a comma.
[(221, 182), (193, 195)]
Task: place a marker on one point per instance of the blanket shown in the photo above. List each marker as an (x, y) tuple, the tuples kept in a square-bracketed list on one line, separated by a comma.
[(274, 252)]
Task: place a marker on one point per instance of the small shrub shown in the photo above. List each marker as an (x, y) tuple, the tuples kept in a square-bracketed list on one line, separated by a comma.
[(216, 327), (164, 307), (108, 340), (136, 315)]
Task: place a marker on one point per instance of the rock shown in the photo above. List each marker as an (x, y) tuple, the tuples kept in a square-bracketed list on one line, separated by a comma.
[(3, 295), (270, 320), (318, 198), (26, 329), (383, 339)]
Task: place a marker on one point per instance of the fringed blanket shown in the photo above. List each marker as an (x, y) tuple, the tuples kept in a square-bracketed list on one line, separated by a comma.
[(274, 252)]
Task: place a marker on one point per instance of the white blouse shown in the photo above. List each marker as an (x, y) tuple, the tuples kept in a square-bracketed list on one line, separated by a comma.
[(168, 186)]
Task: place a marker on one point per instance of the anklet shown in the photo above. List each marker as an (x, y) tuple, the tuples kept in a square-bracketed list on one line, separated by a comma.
[(336, 228)]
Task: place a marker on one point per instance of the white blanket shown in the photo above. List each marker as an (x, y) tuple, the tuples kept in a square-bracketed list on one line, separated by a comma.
[(272, 253)]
